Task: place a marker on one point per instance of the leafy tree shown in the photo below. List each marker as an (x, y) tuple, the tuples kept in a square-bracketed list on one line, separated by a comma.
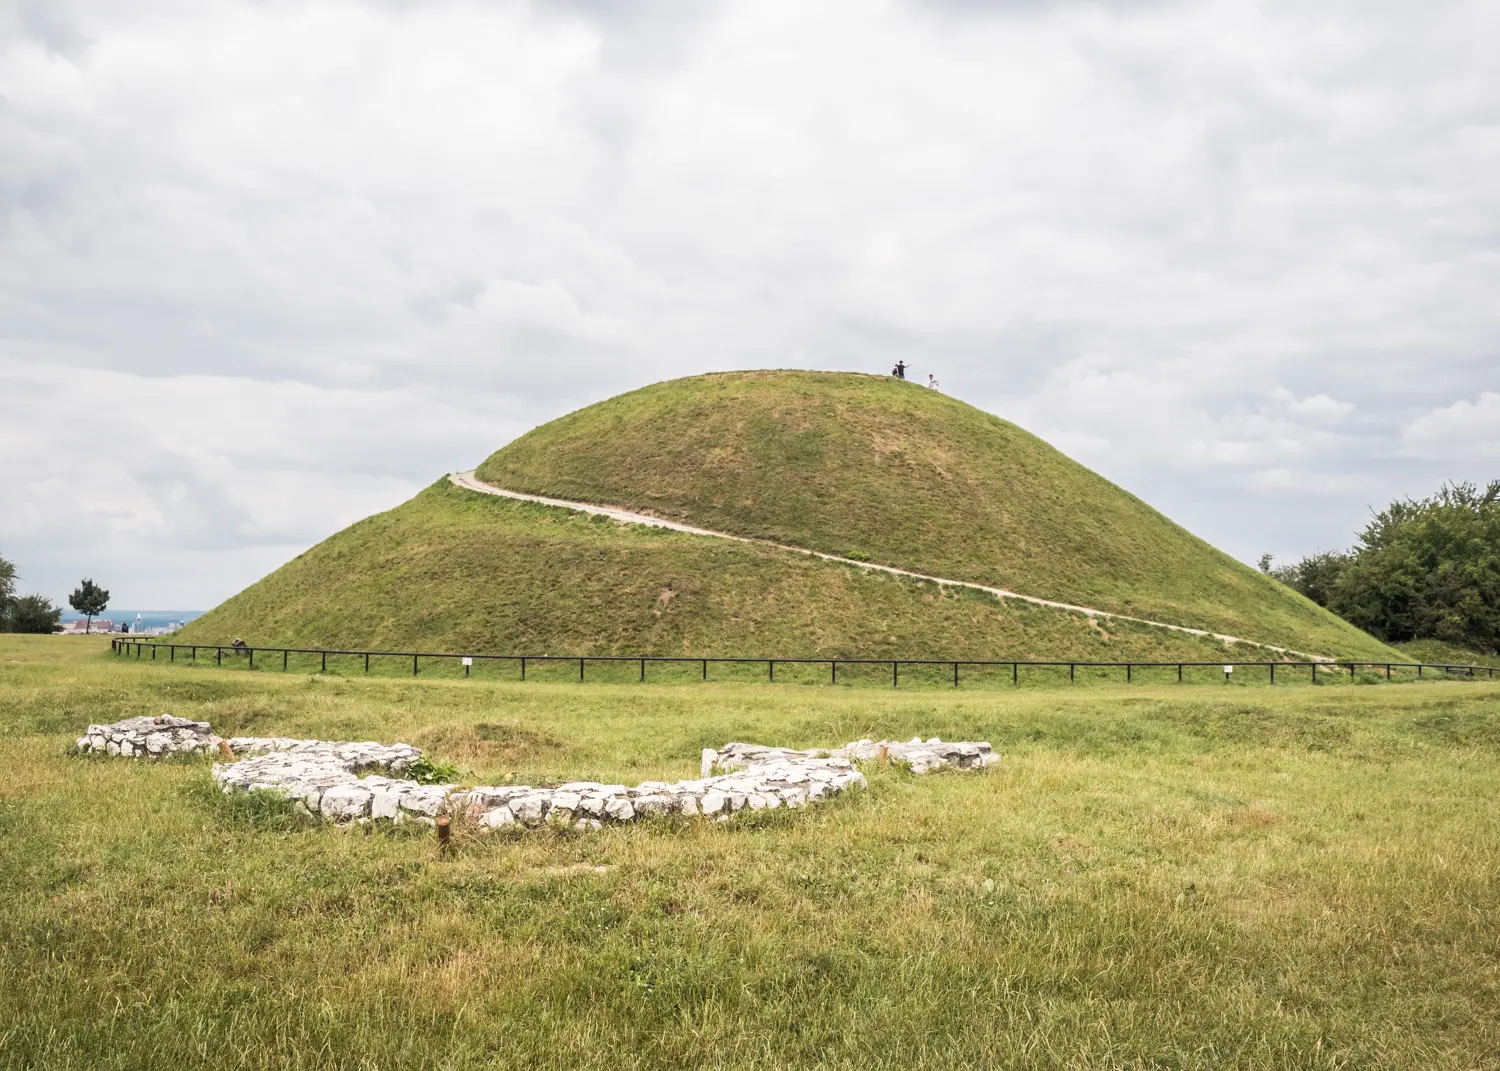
[(1314, 576), (35, 614), (1428, 570), (7, 591), (88, 599)]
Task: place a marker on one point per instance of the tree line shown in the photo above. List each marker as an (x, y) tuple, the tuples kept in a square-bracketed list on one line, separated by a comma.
[(36, 613), (1420, 570)]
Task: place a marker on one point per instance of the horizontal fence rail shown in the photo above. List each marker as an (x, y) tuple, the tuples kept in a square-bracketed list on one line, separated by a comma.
[(136, 648)]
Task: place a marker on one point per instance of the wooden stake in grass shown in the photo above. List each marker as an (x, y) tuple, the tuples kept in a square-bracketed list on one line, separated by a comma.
[(444, 834)]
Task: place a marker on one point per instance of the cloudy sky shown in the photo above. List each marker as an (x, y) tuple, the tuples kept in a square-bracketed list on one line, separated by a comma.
[(268, 267)]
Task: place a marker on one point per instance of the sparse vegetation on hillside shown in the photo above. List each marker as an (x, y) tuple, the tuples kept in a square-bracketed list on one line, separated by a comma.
[(1152, 878), (457, 571), (910, 477)]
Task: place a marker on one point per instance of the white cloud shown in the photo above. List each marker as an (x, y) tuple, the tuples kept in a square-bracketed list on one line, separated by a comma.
[(305, 256), (1464, 431)]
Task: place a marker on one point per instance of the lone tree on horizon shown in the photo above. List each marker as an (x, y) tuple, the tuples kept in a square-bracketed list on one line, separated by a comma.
[(88, 599)]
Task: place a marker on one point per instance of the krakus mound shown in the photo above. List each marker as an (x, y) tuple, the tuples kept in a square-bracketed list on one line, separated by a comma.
[(863, 467)]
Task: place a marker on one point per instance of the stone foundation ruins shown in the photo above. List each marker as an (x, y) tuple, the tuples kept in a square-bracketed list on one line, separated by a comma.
[(361, 782)]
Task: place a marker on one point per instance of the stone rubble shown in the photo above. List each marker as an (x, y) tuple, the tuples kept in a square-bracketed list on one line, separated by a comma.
[(360, 782), (149, 738)]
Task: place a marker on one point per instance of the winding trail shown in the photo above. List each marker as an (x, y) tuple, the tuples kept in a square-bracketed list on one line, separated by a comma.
[(469, 482)]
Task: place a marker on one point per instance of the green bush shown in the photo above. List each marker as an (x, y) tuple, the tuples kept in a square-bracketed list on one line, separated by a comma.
[(1422, 570)]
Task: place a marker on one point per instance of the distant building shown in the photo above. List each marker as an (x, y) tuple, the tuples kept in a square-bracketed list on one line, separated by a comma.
[(76, 628)]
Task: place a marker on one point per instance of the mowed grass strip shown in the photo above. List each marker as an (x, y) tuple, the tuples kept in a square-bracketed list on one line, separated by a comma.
[(1155, 877)]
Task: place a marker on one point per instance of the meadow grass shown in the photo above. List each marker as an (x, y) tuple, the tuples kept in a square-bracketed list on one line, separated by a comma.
[(1155, 876)]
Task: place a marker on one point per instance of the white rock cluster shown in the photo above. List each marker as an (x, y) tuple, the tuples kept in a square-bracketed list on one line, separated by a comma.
[(921, 756), (358, 782), (324, 778), (792, 781), (149, 738)]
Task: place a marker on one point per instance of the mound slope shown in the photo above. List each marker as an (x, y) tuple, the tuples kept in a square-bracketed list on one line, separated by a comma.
[(850, 465), (458, 571), (875, 467)]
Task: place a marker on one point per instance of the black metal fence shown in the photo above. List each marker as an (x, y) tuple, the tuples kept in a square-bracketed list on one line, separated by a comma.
[(137, 648)]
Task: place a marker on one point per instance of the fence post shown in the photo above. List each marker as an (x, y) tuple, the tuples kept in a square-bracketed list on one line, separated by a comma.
[(252, 658), (523, 667), (1071, 667), (172, 653), (833, 671), (643, 671), (771, 669), (324, 668), (895, 675), (285, 654), (1273, 672), (1387, 671), (580, 671), (413, 664), (955, 674), (1015, 673), (218, 656), (1419, 671), (1127, 672), (195, 654), (705, 669)]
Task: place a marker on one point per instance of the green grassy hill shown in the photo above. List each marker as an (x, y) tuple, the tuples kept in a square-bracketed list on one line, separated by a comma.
[(458, 571), (855, 464), (844, 463)]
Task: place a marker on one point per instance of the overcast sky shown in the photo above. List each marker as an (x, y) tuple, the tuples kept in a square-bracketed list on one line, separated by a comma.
[(269, 267)]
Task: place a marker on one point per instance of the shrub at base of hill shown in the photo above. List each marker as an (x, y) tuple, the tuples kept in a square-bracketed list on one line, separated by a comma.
[(35, 614), (7, 591), (1426, 569)]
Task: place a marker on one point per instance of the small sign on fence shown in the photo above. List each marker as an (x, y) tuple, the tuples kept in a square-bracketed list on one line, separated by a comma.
[(468, 661)]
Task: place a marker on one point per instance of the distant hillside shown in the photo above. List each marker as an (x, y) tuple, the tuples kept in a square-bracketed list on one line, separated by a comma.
[(457, 571), (854, 465), (869, 465)]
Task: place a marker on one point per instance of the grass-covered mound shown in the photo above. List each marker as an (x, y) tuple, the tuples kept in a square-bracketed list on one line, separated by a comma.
[(453, 570), (876, 467)]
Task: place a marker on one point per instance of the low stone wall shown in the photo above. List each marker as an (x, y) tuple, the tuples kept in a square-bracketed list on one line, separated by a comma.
[(359, 782), (150, 738)]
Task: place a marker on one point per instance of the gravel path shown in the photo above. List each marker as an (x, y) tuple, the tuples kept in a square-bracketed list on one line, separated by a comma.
[(469, 482)]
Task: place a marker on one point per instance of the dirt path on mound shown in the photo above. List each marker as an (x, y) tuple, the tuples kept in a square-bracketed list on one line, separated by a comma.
[(469, 482)]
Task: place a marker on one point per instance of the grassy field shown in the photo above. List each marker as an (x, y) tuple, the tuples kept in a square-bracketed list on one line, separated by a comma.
[(869, 465), (1159, 876), (458, 571)]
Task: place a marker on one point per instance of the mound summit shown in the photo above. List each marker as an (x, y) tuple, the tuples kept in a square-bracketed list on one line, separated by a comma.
[(864, 467)]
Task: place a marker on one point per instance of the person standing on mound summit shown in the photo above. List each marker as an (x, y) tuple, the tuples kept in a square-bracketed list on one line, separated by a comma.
[(900, 370)]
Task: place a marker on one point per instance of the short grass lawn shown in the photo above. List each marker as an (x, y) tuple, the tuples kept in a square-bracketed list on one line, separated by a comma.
[(1156, 876)]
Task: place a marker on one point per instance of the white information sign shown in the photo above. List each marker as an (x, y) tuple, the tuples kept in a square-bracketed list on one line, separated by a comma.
[(468, 661)]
